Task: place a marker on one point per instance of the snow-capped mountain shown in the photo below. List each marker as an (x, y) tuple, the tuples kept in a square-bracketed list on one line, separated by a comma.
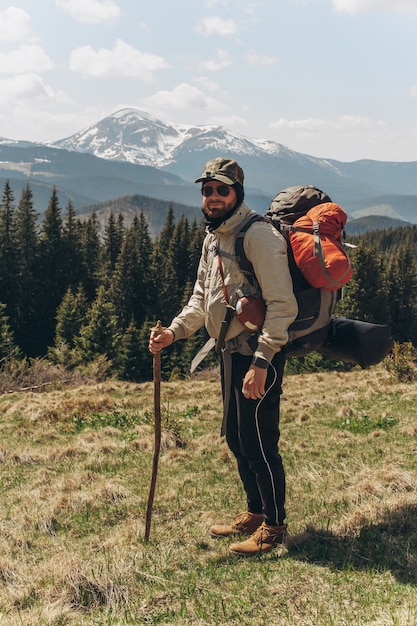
[(138, 137), (135, 137)]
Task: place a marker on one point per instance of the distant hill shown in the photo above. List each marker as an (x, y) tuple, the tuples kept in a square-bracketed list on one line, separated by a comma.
[(85, 178), (372, 222), (401, 207)]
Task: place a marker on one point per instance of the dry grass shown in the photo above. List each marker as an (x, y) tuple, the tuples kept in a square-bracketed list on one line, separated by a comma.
[(75, 468)]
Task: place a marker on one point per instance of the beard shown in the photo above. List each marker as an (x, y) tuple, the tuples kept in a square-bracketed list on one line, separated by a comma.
[(214, 222)]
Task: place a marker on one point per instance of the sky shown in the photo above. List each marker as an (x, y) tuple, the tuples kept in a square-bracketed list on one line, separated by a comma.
[(329, 78)]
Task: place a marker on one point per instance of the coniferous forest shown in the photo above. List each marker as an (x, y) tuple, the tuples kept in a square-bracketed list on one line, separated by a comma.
[(77, 297)]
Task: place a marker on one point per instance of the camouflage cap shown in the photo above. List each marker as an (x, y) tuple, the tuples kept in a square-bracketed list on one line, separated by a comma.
[(224, 170)]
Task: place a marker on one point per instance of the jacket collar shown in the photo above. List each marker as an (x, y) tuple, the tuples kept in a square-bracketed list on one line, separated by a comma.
[(231, 225)]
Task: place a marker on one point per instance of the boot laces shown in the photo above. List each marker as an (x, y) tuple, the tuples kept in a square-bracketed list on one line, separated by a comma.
[(265, 533), (242, 517)]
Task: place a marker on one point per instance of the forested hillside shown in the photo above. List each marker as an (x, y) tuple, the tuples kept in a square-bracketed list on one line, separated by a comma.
[(78, 297), (154, 211)]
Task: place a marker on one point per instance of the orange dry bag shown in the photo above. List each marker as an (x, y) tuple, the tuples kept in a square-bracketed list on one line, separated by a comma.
[(316, 242)]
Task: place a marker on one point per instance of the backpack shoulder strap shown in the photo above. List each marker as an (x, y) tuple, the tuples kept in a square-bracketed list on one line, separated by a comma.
[(245, 265)]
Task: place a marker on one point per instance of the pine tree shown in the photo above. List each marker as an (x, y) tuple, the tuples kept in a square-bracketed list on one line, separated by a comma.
[(196, 238), (180, 248), (8, 256), (100, 336), (148, 286), (134, 356), (131, 281), (53, 272), (70, 318), (71, 315), (113, 240), (167, 231), (92, 255), (29, 275), (164, 270), (366, 296), (73, 270), (402, 289)]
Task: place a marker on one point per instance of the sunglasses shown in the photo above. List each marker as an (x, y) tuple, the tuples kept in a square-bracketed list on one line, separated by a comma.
[(222, 190)]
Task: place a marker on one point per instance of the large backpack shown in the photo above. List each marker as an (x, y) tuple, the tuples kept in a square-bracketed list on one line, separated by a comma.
[(312, 226)]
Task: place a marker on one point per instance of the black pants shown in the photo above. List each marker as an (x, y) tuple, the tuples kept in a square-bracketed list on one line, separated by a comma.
[(252, 434)]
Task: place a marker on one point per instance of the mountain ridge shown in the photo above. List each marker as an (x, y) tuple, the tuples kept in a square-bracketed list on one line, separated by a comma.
[(132, 152), (135, 136), (158, 140)]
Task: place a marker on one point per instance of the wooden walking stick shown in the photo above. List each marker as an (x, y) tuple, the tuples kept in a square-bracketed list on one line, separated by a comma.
[(157, 428)]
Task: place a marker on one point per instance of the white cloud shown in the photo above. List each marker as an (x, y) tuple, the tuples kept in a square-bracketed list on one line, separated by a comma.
[(185, 96), (229, 121), (214, 65), (311, 125), (28, 87), (216, 25), (301, 128), (325, 136), (122, 61), (207, 84), (90, 11), (257, 59), (15, 25), (413, 91), (212, 3), (24, 121), (394, 6), (25, 58)]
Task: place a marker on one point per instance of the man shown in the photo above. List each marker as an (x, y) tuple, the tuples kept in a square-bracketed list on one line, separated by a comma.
[(251, 407)]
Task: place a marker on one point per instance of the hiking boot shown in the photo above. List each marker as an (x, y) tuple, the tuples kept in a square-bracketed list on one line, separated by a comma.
[(264, 539), (245, 523)]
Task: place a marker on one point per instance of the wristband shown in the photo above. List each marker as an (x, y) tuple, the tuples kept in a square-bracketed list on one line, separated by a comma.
[(260, 362)]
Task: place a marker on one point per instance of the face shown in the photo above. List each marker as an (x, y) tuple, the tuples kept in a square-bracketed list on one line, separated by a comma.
[(215, 205)]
